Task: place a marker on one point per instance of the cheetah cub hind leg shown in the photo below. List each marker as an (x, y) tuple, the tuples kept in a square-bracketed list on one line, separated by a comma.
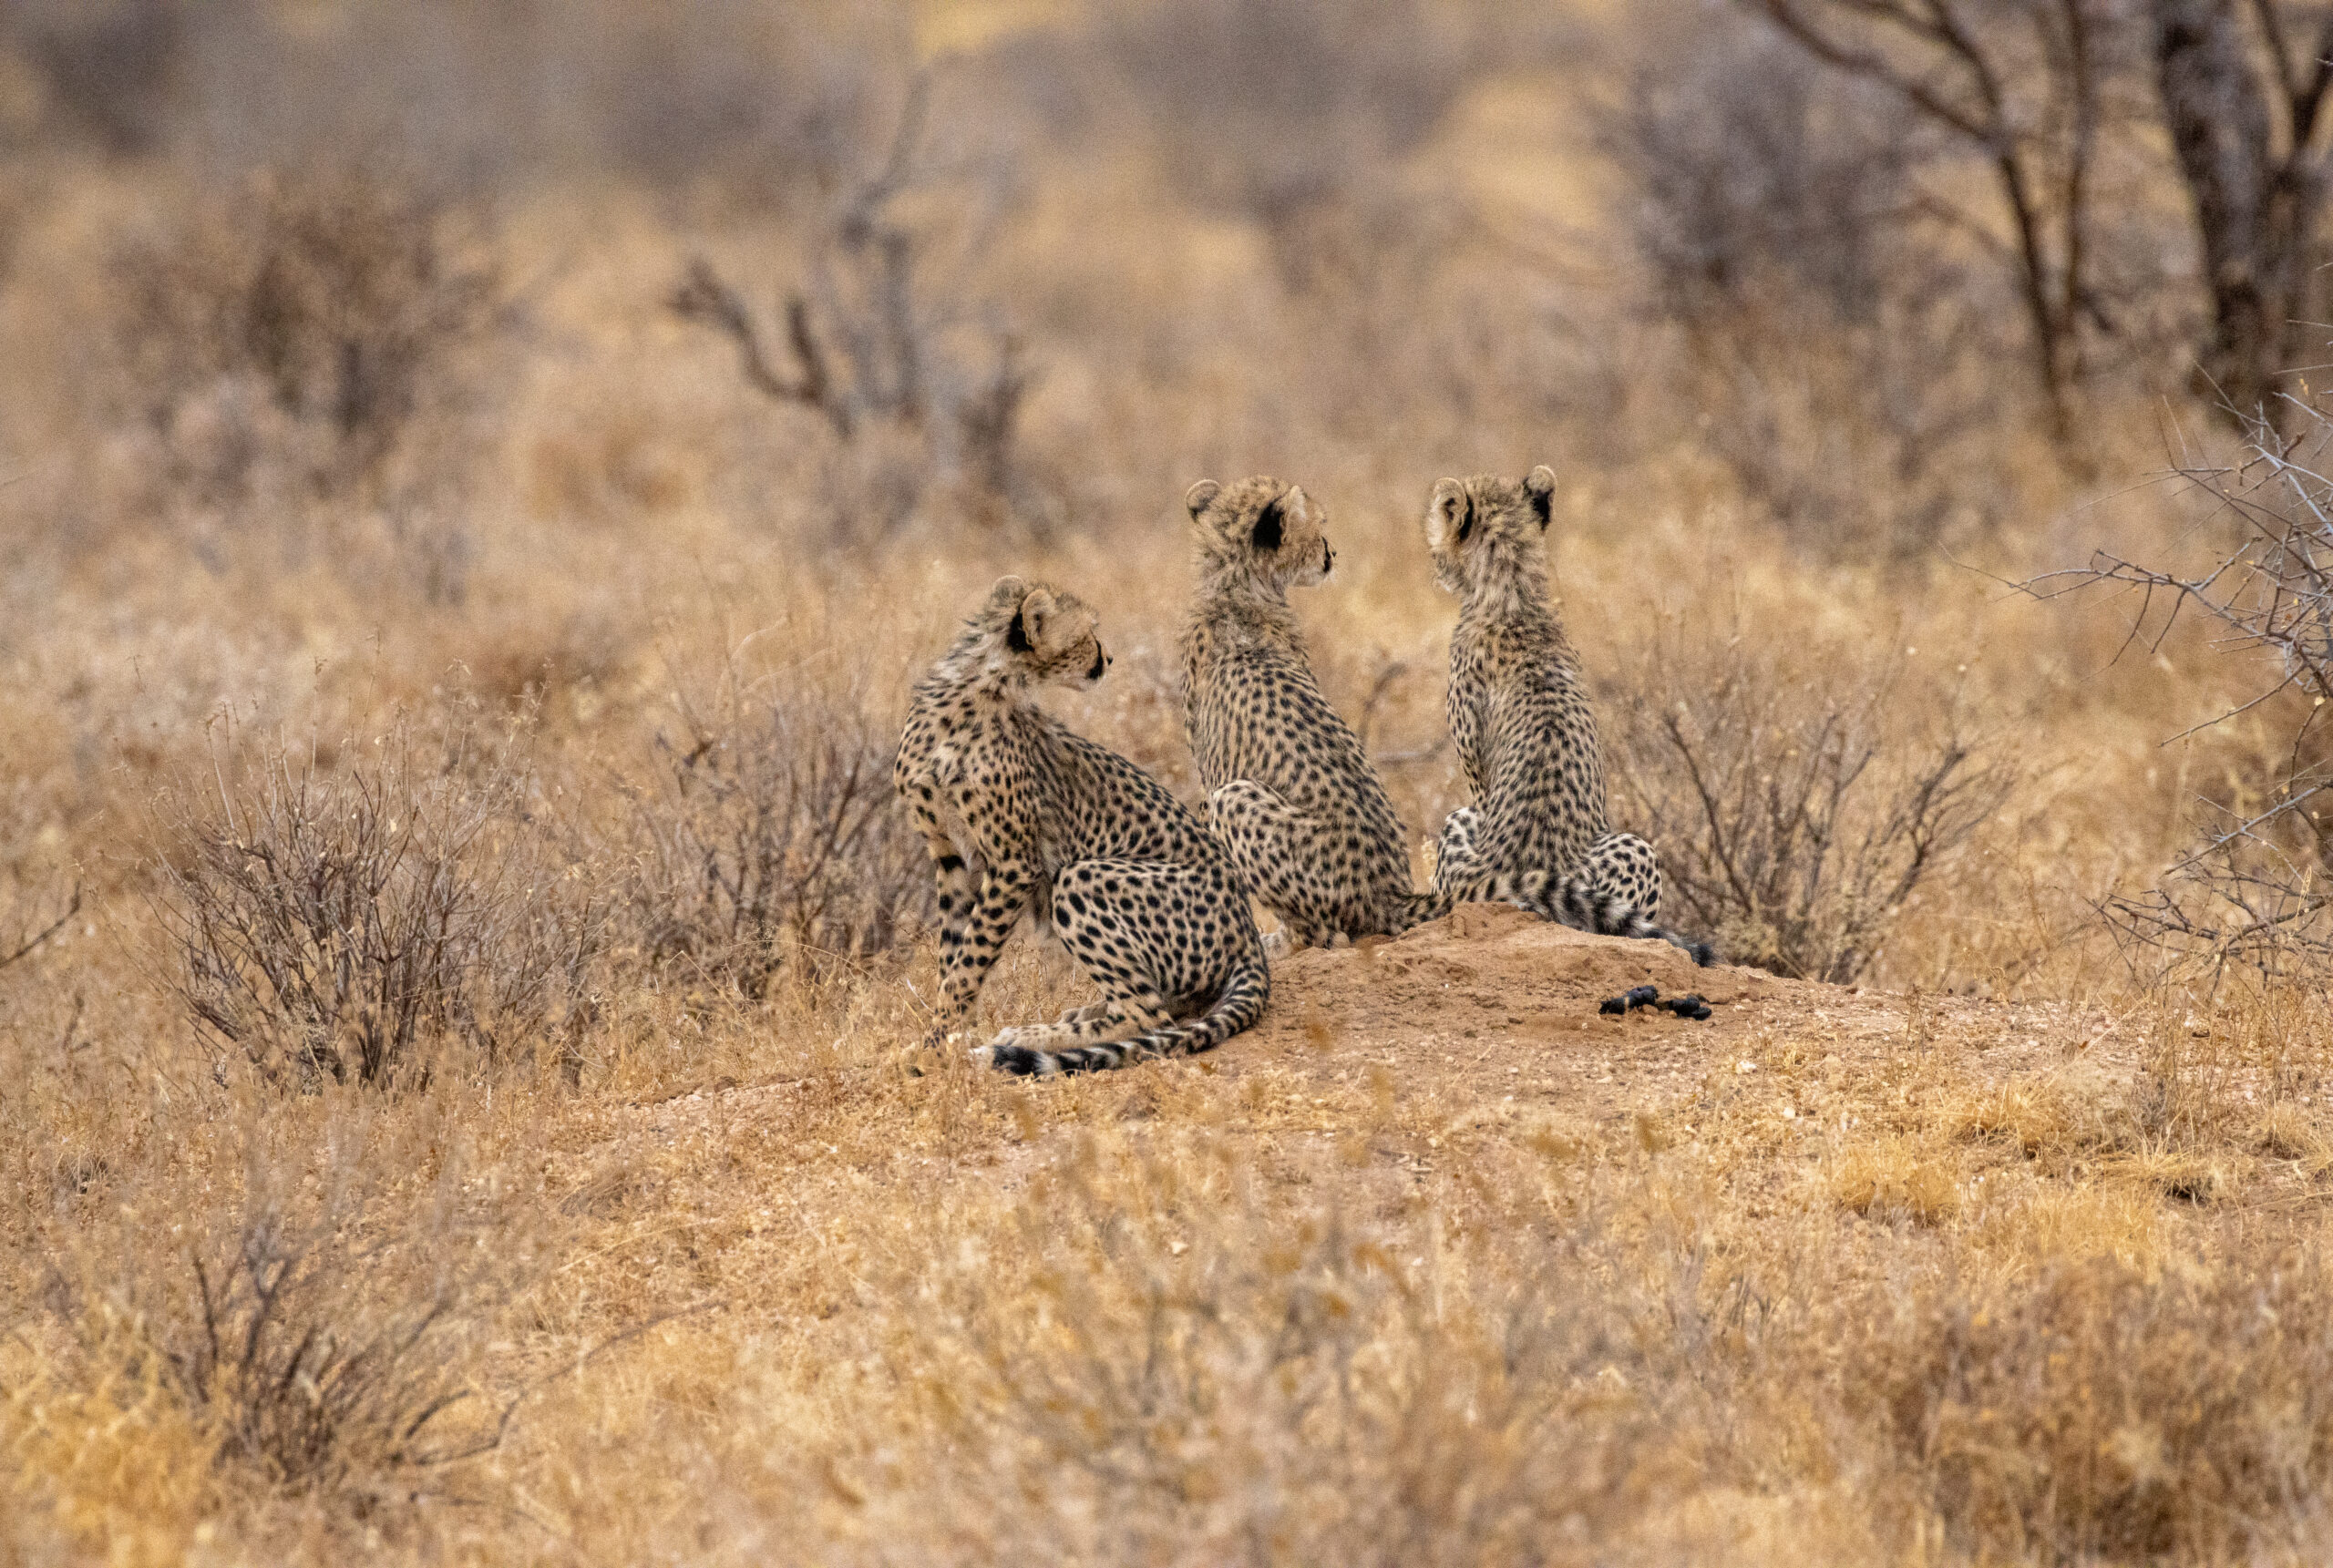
[(1617, 891), (1287, 857), (1173, 951), (1456, 861), (1096, 1023)]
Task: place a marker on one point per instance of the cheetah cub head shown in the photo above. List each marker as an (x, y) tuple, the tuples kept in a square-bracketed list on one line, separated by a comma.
[(1262, 528), (1484, 528), (1032, 635)]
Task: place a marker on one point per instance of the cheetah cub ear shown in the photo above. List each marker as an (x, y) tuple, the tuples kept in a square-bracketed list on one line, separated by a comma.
[(1539, 489), (1272, 523), (1197, 498), (1297, 513), (1031, 622), (1448, 518)]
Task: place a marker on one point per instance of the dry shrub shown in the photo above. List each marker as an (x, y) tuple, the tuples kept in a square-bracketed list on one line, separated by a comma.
[(768, 831), (317, 1330), (2190, 1119), (2286, 1131), (2252, 895), (286, 343), (1843, 335), (1273, 108), (105, 66), (1183, 1372), (2103, 1414), (340, 923), (2040, 1117), (1794, 817), (294, 1380)]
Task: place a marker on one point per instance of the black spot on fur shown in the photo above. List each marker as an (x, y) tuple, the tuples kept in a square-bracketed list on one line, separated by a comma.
[(1543, 505), (1467, 528), (1016, 635)]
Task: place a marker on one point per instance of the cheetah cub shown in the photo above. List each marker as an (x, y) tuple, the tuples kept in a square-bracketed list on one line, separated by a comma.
[(1019, 813), (1290, 792), (1520, 717)]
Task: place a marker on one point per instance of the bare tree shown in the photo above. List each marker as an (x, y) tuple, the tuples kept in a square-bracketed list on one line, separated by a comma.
[(2245, 108), (868, 340), (2021, 85)]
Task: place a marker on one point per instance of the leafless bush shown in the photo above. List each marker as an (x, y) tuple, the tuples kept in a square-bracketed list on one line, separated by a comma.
[(300, 1377), (1840, 350), (1793, 821), (1392, 1410), (873, 341), (1272, 108), (1741, 170), (769, 833), (294, 335), (2254, 891), (2036, 101), (338, 924), (2106, 1412), (107, 65), (318, 1325)]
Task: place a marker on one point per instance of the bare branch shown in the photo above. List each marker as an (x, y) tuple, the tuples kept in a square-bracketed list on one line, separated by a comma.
[(704, 296), (25, 948)]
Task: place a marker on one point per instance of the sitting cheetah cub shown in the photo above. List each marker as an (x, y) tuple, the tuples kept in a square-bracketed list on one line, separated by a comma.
[(1525, 732), (1019, 813), (1290, 792)]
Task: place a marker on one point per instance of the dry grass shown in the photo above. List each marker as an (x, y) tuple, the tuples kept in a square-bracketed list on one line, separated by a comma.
[(613, 1237)]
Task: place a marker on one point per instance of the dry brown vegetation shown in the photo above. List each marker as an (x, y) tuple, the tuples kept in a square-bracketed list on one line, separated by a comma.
[(455, 938)]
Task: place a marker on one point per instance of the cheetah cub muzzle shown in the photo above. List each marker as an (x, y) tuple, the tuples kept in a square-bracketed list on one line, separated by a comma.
[(1019, 814)]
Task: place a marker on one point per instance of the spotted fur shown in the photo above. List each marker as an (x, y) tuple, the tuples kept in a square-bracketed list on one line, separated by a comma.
[(1525, 731), (1021, 814), (1290, 792)]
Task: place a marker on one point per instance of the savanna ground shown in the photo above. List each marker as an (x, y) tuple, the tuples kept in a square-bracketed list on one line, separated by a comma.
[(454, 944)]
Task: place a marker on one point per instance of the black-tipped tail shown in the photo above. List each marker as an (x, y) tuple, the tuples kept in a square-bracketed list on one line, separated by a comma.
[(1241, 1005), (1572, 901), (1586, 909)]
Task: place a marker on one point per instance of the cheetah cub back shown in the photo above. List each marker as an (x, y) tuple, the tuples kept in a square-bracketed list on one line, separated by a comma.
[(1290, 792), (1019, 814), (1520, 717)]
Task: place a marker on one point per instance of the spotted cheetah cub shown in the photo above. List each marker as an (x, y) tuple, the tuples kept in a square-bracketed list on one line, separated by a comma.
[(1019, 813), (1290, 792), (1521, 720)]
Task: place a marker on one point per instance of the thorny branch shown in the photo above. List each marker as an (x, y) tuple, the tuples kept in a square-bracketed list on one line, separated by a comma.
[(2254, 890), (25, 948)]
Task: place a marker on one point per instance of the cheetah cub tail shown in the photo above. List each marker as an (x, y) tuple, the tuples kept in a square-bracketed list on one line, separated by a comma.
[(1584, 908), (1577, 901), (1239, 1005)]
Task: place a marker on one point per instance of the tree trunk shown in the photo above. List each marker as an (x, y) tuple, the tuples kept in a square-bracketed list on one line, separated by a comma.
[(2256, 212)]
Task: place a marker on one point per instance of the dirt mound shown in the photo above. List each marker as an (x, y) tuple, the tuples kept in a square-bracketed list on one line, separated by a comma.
[(1488, 963), (1494, 1003), (1499, 976)]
